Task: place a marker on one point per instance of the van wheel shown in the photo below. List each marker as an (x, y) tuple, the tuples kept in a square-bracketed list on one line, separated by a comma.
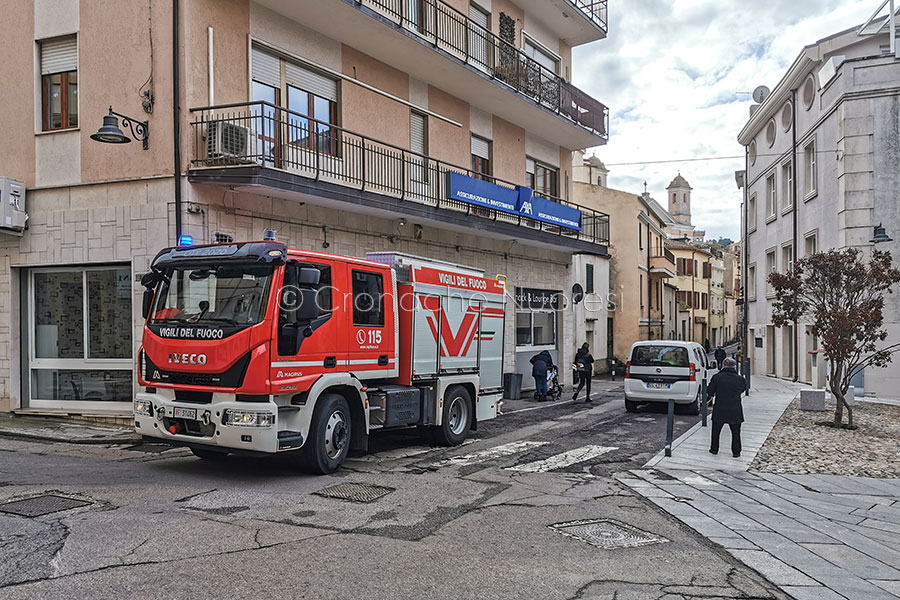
[(694, 407), (456, 417), (210, 455), (631, 406), (329, 436)]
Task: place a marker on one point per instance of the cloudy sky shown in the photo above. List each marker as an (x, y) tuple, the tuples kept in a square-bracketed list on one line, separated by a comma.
[(671, 72)]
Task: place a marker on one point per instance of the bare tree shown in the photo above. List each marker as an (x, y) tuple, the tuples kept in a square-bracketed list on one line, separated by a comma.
[(842, 297)]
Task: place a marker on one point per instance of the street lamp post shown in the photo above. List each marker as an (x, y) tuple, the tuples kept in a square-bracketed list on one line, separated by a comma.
[(110, 133)]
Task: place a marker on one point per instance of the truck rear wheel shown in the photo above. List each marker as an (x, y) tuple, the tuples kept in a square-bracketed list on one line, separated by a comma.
[(329, 436), (456, 417)]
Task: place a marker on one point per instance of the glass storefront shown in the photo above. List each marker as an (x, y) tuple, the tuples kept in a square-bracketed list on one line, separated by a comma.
[(80, 338)]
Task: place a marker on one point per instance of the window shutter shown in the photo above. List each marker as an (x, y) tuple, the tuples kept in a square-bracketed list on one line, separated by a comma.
[(311, 82), (481, 147), (266, 68), (59, 56), (529, 165), (478, 15), (418, 125)]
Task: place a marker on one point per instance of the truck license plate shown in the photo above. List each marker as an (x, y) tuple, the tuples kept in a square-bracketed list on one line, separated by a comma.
[(186, 413), (659, 386)]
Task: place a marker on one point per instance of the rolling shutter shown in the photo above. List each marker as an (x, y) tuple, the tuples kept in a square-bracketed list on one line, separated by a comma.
[(266, 68), (479, 15), (311, 82), (481, 147), (59, 56), (418, 124)]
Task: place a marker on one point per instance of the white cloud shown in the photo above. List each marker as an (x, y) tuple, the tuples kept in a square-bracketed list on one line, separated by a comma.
[(670, 71)]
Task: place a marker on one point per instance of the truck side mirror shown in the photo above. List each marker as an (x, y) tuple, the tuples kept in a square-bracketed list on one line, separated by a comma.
[(308, 276), (147, 303)]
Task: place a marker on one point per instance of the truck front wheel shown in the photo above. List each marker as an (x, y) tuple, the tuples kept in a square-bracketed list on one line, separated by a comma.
[(329, 436), (456, 417)]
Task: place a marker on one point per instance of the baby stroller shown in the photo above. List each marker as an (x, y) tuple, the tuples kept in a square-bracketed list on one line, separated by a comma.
[(554, 389)]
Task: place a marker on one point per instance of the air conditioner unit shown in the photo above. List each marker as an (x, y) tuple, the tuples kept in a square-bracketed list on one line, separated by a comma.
[(229, 141), (12, 205)]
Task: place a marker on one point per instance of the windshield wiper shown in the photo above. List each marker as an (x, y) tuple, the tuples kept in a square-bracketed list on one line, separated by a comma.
[(217, 320)]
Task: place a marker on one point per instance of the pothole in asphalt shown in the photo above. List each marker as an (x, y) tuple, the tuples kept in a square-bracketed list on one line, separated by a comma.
[(355, 492), (607, 533), (41, 505)]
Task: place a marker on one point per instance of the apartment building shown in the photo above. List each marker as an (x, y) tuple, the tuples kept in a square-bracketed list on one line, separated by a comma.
[(437, 128), (640, 263), (822, 155), (717, 301), (693, 280)]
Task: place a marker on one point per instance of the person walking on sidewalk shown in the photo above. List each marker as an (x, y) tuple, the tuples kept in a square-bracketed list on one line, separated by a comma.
[(584, 364), (726, 387), (720, 356), (540, 364)]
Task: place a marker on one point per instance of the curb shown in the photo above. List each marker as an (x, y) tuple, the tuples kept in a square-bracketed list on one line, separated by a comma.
[(24, 435)]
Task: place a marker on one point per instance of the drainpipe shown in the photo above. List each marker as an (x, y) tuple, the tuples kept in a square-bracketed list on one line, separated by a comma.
[(795, 211), (745, 317), (176, 117)]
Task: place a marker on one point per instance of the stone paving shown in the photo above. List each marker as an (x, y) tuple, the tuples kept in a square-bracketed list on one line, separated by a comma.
[(820, 537)]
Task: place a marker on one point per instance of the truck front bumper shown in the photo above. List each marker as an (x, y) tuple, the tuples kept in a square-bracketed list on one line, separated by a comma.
[(188, 424)]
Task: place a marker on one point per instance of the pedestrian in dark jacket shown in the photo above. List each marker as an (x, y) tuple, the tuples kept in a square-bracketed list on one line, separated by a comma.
[(540, 364), (584, 363), (720, 356), (727, 386)]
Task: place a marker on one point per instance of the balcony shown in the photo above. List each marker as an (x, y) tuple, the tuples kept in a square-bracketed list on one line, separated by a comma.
[(435, 43), (256, 144), (576, 22), (662, 266)]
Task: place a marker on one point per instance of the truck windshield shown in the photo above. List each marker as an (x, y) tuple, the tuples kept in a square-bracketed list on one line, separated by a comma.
[(660, 356), (230, 295)]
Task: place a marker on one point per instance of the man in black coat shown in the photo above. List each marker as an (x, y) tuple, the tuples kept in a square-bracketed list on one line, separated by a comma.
[(727, 386), (720, 356)]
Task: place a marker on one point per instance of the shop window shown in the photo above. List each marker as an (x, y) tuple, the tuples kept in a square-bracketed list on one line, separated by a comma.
[(536, 328), (59, 84), (80, 323)]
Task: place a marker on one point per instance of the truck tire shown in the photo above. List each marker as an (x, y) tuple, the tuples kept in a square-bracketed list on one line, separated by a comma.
[(329, 436), (211, 455), (631, 406), (456, 417)]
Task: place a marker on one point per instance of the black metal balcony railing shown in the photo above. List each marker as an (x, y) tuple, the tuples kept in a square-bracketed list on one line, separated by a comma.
[(265, 134), (452, 31), (595, 10), (663, 253)]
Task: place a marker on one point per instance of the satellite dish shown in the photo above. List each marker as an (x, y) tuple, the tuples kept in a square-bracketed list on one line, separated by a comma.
[(760, 94)]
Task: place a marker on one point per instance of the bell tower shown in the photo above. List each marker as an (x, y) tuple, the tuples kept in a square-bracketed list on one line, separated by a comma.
[(679, 192)]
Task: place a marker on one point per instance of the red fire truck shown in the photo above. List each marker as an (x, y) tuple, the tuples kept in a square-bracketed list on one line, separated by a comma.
[(257, 348)]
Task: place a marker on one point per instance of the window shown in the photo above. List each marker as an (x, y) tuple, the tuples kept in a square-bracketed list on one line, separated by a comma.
[(770, 133), (418, 144), (589, 278), (59, 84), (368, 299), (541, 55), (660, 356), (751, 213), (543, 179), (696, 303), (481, 158), (683, 299), (704, 299), (416, 14), (809, 91), (640, 236), (787, 183), (771, 197), (311, 99), (787, 257), (81, 336), (536, 328), (751, 282), (641, 289), (812, 243), (771, 267), (810, 170), (479, 36), (707, 270)]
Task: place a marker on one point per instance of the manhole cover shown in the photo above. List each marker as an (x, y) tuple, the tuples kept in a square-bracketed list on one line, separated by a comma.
[(355, 492), (41, 505), (607, 534)]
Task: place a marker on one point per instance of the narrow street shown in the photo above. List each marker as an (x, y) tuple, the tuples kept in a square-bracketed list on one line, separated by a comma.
[(525, 509)]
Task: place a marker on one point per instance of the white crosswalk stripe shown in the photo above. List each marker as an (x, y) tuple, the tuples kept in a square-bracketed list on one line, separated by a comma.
[(489, 453), (560, 461)]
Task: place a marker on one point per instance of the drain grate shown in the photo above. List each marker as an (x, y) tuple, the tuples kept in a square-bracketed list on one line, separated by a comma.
[(607, 534), (41, 505), (355, 492)]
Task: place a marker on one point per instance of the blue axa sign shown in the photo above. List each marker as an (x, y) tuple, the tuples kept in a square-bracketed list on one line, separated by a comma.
[(521, 201)]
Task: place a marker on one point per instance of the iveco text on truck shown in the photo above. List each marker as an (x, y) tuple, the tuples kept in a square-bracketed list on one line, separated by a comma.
[(257, 348)]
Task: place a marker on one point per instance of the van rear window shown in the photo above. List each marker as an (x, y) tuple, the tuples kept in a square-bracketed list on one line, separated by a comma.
[(660, 356)]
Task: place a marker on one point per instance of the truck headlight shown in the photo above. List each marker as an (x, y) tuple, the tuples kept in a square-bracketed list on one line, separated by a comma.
[(143, 407), (249, 418)]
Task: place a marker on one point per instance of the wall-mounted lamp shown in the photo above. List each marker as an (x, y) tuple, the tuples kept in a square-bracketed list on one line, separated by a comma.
[(110, 133), (880, 235)]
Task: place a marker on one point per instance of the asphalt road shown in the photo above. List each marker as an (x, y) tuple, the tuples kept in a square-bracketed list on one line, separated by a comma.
[(505, 515)]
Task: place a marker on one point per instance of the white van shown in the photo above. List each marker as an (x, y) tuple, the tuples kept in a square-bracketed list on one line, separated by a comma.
[(658, 370)]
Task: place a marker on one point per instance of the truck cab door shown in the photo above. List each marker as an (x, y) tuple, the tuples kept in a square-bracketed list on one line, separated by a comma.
[(372, 323)]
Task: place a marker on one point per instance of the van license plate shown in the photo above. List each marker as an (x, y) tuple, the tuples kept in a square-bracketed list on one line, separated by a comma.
[(659, 386), (186, 413)]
